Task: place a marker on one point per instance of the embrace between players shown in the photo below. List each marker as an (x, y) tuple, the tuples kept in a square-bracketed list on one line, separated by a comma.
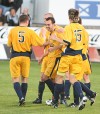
[(65, 53)]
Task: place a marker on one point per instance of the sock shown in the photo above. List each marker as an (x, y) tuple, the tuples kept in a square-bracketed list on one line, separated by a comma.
[(41, 88), (88, 85), (76, 97), (57, 90), (67, 88), (78, 89), (24, 89), (62, 93), (50, 84), (86, 89), (18, 90)]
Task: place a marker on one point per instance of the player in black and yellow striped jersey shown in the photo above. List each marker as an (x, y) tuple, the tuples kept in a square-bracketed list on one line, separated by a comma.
[(20, 39)]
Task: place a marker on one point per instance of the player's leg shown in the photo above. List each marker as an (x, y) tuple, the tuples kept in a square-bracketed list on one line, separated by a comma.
[(18, 90), (50, 72), (41, 85), (25, 67), (53, 76), (87, 72), (67, 86), (76, 99), (89, 92), (15, 73), (57, 90), (87, 80), (76, 68), (79, 76), (49, 83), (59, 80), (86, 76), (62, 95)]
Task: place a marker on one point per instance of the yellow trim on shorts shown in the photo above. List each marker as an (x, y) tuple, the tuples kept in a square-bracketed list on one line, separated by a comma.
[(61, 73)]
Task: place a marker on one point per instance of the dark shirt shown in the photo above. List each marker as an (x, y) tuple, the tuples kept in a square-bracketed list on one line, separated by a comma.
[(3, 18)]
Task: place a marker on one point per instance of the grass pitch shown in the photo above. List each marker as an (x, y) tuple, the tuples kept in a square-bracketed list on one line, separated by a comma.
[(9, 100)]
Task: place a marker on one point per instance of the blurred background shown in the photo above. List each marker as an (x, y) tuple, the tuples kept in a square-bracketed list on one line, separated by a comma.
[(10, 10)]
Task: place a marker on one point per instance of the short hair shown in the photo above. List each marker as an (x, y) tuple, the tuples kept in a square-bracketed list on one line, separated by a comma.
[(80, 20), (23, 18), (52, 19), (50, 14), (12, 9), (73, 14)]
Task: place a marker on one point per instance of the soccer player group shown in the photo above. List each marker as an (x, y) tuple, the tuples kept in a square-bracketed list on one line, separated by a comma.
[(65, 55)]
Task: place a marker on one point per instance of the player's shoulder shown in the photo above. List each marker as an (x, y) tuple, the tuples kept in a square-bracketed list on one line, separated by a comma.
[(14, 28), (30, 30), (58, 27), (44, 27), (81, 26), (67, 27)]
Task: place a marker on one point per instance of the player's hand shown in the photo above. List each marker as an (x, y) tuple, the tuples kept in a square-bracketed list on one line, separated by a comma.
[(53, 37), (50, 49), (40, 60)]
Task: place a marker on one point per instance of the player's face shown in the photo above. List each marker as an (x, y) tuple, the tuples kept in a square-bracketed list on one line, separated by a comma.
[(0, 11), (13, 12), (1, 23), (49, 25)]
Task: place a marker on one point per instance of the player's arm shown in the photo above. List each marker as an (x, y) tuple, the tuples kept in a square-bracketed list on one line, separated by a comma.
[(42, 34), (54, 48), (46, 43), (54, 37), (66, 37), (44, 55), (36, 40), (60, 30)]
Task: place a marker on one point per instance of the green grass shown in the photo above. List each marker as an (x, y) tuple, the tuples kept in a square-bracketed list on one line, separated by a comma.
[(9, 100)]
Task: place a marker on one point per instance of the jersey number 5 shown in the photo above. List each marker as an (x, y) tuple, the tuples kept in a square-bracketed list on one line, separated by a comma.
[(77, 35), (21, 36)]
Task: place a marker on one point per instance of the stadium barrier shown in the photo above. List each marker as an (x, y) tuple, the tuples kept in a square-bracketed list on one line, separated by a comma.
[(94, 54), (94, 44)]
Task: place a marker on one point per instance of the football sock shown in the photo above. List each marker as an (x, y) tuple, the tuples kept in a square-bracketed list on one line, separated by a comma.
[(41, 88), (78, 89), (57, 90), (18, 90), (67, 88), (76, 97), (88, 85), (62, 93), (24, 87), (50, 84), (86, 89)]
